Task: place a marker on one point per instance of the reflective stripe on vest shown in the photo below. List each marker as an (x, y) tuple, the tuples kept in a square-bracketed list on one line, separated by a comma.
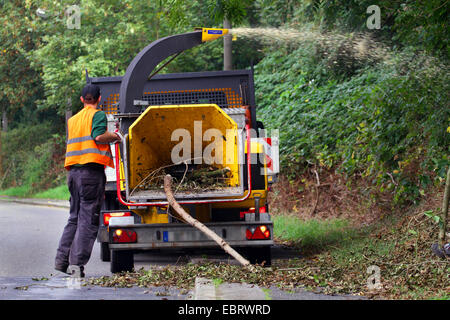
[(86, 151), (81, 147), (82, 139)]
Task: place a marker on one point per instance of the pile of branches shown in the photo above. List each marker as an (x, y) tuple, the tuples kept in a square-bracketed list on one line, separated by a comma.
[(187, 177)]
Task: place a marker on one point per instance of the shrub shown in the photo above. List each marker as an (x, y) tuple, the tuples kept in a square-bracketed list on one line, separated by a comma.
[(43, 168), (387, 122), (32, 156)]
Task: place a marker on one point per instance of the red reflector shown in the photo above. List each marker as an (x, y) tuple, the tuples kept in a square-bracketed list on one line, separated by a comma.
[(248, 234), (258, 233), (124, 235), (107, 216)]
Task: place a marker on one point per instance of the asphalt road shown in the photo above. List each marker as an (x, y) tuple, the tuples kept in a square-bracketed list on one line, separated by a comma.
[(29, 237)]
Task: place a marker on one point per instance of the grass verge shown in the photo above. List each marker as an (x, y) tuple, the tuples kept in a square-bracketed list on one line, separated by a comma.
[(20, 192), (311, 235), (57, 193)]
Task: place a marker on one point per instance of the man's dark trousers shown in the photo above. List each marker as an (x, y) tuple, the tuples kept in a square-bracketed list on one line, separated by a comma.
[(87, 189)]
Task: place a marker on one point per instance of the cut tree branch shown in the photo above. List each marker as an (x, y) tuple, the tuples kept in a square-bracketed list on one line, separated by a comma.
[(200, 226), (317, 192), (443, 224)]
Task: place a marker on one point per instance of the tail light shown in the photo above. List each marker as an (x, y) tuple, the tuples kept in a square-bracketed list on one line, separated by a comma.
[(257, 233), (109, 215), (124, 235)]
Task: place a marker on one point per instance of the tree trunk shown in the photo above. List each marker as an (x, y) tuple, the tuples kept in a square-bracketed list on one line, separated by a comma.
[(68, 115), (4, 121), (1, 157), (200, 226), (227, 47), (443, 225)]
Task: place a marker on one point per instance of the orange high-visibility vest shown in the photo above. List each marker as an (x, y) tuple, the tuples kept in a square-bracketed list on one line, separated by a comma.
[(81, 147)]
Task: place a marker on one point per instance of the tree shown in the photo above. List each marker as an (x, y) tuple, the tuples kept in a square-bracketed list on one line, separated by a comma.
[(110, 35), (20, 85), (229, 12)]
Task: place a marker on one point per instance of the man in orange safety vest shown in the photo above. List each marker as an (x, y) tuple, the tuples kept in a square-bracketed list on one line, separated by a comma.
[(88, 152)]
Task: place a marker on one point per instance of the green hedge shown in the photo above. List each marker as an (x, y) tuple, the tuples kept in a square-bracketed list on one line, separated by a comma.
[(386, 122), (32, 157)]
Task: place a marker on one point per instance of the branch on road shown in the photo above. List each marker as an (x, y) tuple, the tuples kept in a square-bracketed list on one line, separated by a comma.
[(200, 226)]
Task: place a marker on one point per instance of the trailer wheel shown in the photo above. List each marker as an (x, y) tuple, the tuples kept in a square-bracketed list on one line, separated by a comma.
[(110, 203), (121, 260), (258, 255), (105, 252)]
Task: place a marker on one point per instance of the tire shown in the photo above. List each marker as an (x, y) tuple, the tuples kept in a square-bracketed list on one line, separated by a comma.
[(110, 203), (259, 255), (105, 252), (122, 260)]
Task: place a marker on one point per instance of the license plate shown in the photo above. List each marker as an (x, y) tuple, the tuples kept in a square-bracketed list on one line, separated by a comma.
[(120, 221)]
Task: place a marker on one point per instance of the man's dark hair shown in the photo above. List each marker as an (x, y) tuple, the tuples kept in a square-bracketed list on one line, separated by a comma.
[(90, 93)]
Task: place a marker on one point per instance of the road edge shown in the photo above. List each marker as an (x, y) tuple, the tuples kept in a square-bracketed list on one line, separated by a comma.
[(39, 202)]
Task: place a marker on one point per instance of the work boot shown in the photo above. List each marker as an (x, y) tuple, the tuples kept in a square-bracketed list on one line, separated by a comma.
[(76, 271), (62, 268), (441, 253)]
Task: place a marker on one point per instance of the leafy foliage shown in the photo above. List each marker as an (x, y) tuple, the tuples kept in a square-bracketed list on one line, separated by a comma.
[(19, 84), (235, 10), (32, 156), (387, 123), (381, 118), (422, 24)]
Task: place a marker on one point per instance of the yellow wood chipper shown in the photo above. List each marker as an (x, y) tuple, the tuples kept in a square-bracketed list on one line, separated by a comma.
[(201, 128)]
